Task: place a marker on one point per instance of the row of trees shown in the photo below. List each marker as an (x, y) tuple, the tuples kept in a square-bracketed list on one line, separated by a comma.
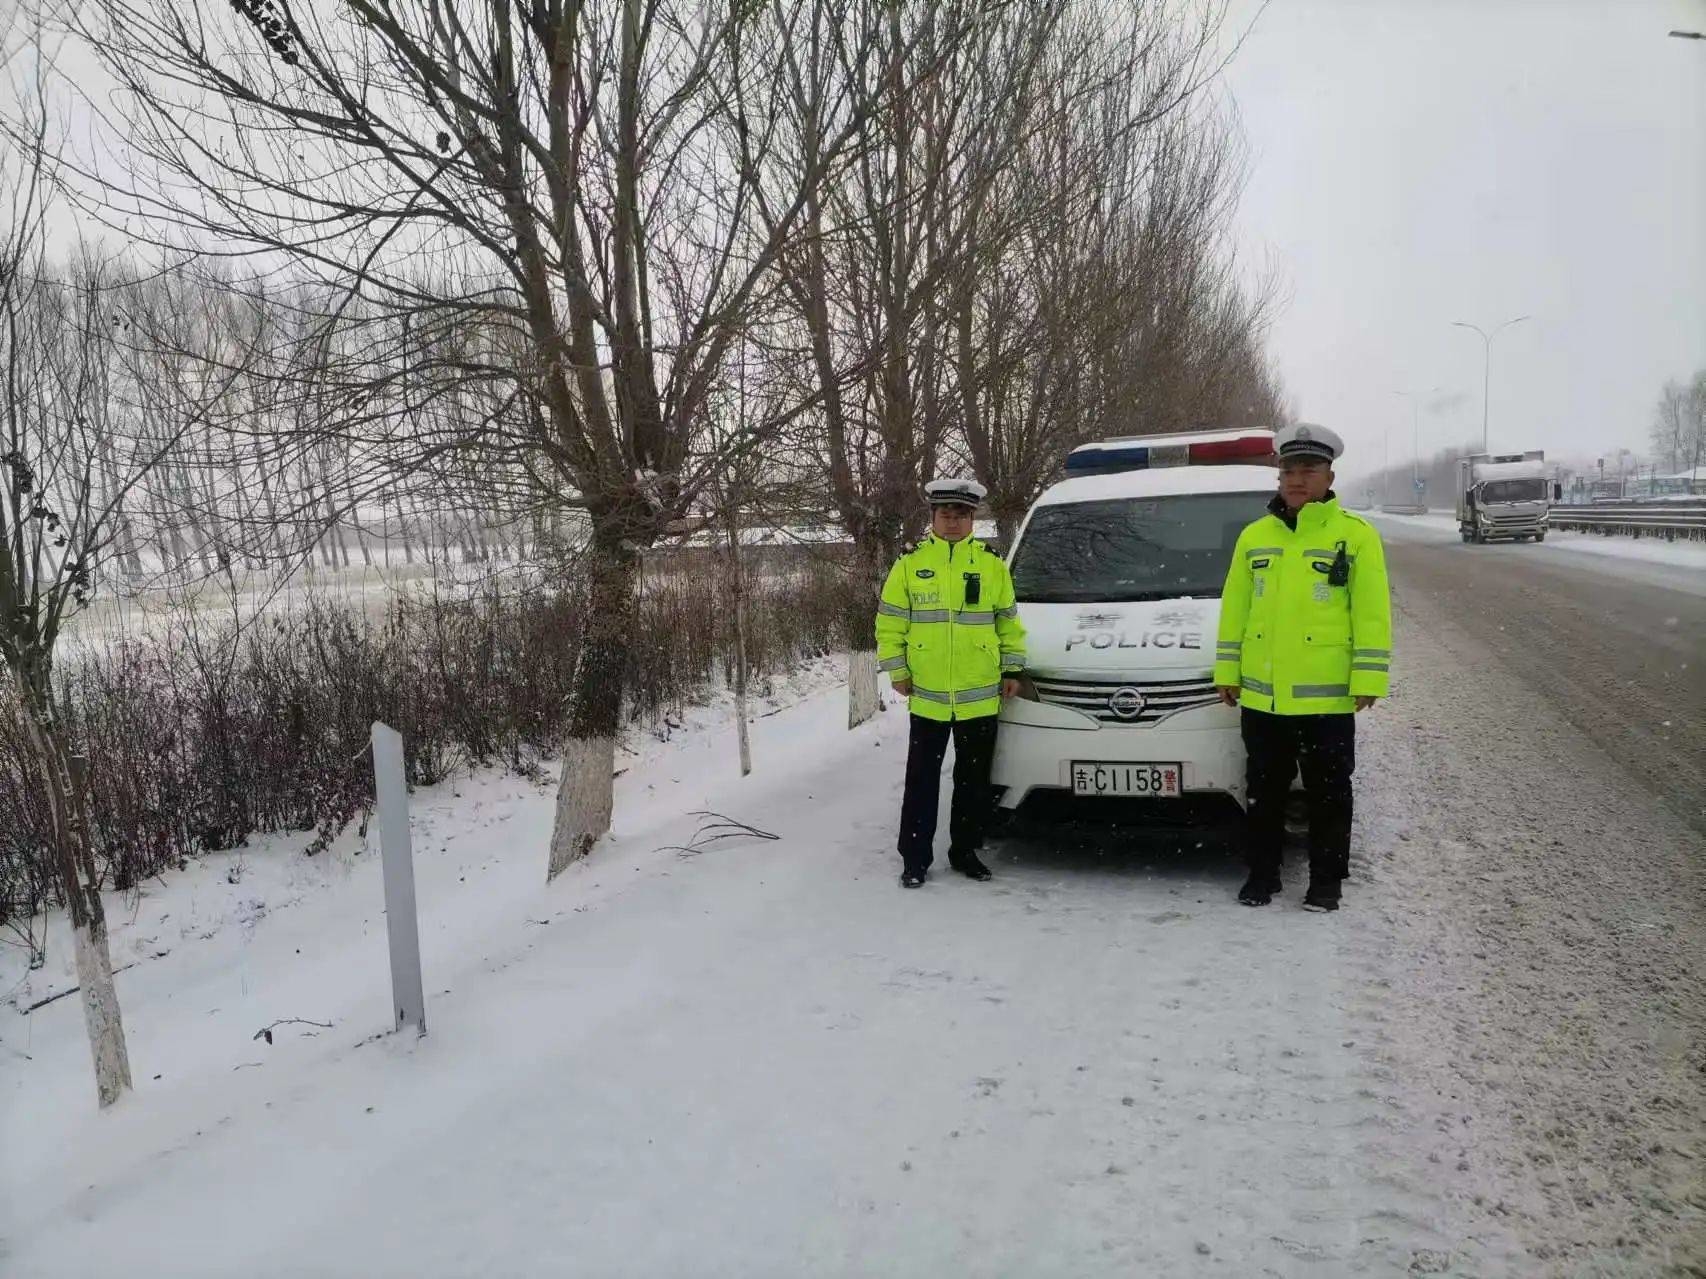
[(605, 274), (1678, 430)]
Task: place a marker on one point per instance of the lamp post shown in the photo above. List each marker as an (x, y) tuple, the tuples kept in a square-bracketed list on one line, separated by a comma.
[(1486, 365), (1416, 436)]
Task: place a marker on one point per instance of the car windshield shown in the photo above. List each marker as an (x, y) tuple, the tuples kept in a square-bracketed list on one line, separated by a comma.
[(1514, 490), (1131, 548)]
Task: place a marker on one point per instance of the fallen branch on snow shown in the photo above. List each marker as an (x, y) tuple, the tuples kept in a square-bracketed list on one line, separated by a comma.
[(72, 990), (712, 828), (265, 1032)]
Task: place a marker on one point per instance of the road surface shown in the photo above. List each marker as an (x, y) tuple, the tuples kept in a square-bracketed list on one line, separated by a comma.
[(1617, 647), (1532, 822)]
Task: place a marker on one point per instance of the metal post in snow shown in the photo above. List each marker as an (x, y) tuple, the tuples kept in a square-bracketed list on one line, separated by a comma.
[(402, 926)]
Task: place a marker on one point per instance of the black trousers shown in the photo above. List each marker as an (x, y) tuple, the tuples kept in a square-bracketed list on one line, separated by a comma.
[(1276, 746), (968, 816)]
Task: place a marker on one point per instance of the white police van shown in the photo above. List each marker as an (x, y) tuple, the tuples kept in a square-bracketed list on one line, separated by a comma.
[(1118, 571)]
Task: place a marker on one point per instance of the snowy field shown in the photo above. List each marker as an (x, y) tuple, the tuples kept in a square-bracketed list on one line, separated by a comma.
[(119, 611), (766, 1059)]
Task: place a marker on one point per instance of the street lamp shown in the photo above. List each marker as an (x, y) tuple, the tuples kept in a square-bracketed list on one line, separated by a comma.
[(1486, 364), (1416, 436)]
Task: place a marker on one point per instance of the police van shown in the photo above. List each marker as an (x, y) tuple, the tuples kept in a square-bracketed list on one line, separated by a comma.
[(1117, 571)]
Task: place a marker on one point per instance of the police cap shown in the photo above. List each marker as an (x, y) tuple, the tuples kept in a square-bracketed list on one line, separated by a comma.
[(955, 492), (1308, 440)]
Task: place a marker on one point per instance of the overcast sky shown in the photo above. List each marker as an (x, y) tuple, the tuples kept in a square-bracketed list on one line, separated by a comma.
[(1415, 162)]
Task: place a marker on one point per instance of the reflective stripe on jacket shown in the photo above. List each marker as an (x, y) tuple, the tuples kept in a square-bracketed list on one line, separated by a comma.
[(1295, 642), (954, 652)]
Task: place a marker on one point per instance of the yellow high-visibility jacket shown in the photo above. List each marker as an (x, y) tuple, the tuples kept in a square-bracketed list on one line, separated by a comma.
[(1292, 639), (955, 652)]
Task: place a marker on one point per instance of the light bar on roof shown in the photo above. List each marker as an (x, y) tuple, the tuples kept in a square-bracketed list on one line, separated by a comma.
[(1191, 448)]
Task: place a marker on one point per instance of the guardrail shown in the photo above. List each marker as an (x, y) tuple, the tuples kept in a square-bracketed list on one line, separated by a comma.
[(1684, 520)]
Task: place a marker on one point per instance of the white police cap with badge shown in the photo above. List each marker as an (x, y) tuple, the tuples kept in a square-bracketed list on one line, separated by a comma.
[(955, 493), (1308, 440)]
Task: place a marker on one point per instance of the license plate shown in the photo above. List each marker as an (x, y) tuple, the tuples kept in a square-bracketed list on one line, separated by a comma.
[(1142, 781)]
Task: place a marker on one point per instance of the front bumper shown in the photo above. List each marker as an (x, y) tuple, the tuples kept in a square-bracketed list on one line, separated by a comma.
[(1507, 526), (1037, 744)]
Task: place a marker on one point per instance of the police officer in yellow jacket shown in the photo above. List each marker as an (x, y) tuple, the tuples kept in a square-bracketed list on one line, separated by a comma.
[(948, 634), (1305, 642)]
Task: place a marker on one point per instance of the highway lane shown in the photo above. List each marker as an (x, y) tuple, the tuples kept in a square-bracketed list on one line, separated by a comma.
[(1618, 647)]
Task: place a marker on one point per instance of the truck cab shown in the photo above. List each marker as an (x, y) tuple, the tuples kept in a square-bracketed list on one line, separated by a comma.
[(1117, 571)]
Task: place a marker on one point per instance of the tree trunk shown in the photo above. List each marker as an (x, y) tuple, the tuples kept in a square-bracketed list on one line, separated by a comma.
[(402, 534), (864, 698), (362, 541), (63, 783), (585, 795), (737, 599), (340, 543)]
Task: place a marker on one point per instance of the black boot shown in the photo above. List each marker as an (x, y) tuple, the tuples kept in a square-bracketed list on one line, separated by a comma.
[(1259, 890), (1321, 897), (969, 865), (913, 878)]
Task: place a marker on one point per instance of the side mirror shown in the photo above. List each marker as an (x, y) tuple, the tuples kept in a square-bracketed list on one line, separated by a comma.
[(1557, 492)]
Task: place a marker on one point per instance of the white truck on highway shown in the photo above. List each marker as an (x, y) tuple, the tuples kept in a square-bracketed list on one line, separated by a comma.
[(1504, 496), (1118, 571)]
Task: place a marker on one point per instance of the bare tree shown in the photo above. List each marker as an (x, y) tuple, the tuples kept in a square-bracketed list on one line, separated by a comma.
[(973, 285), (47, 517), (86, 416), (1697, 395), (580, 179), (869, 283), (1675, 431)]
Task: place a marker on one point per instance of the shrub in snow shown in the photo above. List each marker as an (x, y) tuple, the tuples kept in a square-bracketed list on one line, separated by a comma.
[(199, 736)]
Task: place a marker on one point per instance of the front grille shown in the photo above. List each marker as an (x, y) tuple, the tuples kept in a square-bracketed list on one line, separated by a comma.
[(1161, 698)]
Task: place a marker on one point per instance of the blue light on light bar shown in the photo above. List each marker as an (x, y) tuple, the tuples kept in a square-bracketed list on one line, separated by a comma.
[(1106, 459), (1193, 448)]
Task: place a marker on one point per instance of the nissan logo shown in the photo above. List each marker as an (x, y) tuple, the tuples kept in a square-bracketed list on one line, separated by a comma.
[(1126, 703)]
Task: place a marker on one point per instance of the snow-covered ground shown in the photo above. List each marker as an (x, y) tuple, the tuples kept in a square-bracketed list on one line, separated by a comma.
[(766, 1059), (762, 1060)]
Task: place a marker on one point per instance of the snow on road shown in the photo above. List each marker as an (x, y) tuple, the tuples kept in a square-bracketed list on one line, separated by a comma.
[(1541, 971), (1681, 564)]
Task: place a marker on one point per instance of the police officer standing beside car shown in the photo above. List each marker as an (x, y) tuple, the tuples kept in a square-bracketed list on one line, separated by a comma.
[(948, 634), (1305, 643)]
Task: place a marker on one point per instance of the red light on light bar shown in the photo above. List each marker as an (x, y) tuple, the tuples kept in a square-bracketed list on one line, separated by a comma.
[(1247, 448)]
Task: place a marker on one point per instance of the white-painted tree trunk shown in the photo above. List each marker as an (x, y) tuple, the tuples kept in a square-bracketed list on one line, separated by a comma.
[(64, 781), (586, 794), (100, 1010), (737, 597), (743, 733), (585, 798), (863, 697)]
